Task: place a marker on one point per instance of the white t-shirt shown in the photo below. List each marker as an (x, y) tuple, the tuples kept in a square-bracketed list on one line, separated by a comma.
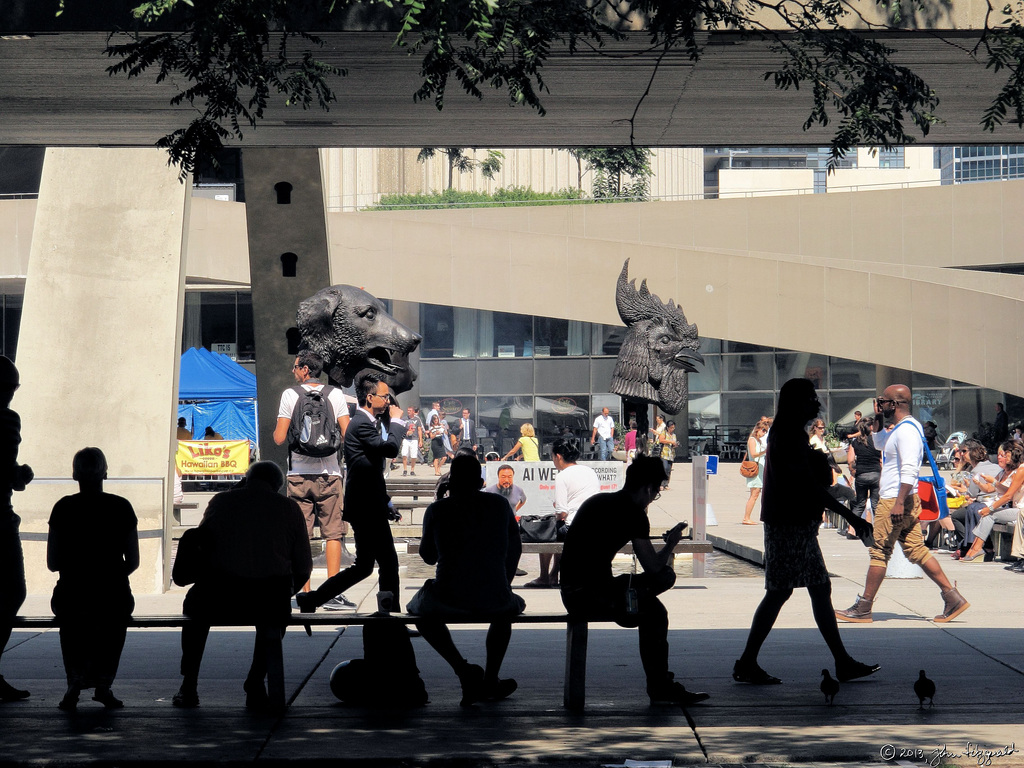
[(312, 465), (605, 426), (573, 486), (902, 452)]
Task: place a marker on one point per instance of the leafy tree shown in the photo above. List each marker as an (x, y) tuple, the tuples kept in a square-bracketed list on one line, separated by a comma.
[(618, 171), (232, 55), (459, 161)]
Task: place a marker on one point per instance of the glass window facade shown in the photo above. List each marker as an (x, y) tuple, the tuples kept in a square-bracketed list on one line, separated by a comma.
[(220, 321), (557, 374), (987, 163)]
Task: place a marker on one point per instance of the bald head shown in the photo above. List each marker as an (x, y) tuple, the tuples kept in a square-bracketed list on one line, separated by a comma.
[(900, 393)]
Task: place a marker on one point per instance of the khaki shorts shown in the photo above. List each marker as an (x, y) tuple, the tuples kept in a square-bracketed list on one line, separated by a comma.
[(908, 534), (320, 499)]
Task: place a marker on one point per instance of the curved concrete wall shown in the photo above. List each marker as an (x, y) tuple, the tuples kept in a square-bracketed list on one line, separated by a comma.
[(860, 275)]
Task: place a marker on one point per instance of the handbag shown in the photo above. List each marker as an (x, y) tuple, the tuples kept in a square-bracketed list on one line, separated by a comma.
[(748, 468), (931, 489), (538, 529)]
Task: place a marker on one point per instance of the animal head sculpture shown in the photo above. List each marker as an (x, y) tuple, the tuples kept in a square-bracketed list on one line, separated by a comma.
[(353, 332), (659, 349)]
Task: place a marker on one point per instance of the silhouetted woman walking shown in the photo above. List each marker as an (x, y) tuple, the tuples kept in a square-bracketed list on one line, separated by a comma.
[(94, 545), (796, 481)]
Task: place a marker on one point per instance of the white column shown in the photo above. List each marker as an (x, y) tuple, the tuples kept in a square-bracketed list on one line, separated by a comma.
[(100, 339)]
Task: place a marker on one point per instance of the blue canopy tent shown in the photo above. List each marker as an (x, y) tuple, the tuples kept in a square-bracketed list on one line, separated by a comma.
[(215, 391)]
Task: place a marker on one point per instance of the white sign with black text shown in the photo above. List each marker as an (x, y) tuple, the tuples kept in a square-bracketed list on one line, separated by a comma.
[(537, 479)]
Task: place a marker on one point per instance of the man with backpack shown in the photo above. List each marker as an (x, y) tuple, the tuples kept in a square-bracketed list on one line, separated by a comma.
[(311, 420), (373, 438)]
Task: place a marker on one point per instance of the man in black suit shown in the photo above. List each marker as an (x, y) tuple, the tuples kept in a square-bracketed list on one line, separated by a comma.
[(374, 435), (465, 431)]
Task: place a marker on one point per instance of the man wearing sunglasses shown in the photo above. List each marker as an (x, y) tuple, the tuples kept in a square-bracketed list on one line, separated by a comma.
[(896, 520), (374, 435)]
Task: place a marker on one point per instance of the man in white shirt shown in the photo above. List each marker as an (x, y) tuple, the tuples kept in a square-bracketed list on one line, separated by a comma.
[(604, 428), (899, 508), (315, 483)]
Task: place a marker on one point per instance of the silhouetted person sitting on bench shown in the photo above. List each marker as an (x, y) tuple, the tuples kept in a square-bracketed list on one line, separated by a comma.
[(254, 555), (473, 539), (13, 477), (94, 545), (603, 526)]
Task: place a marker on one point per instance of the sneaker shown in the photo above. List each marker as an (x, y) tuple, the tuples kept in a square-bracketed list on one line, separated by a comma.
[(339, 603), (858, 613), (752, 674), (500, 689), (671, 692), (851, 670), (404, 473), (107, 698), (185, 699), (9, 693), (953, 604)]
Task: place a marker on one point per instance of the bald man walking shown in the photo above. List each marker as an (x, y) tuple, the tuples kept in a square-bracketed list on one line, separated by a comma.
[(896, 519)]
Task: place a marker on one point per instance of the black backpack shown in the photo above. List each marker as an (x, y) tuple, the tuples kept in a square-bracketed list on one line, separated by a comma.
[(314, 429)]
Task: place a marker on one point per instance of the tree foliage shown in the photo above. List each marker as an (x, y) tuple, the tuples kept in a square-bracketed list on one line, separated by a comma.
[(459, 161), (618, 171), (232, 56)]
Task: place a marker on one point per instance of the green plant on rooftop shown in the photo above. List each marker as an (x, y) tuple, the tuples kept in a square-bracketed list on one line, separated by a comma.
[(233, 56)]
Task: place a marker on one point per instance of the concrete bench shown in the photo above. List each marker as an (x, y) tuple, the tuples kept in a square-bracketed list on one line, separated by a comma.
[(686, 546), (574, 685), (1002, 540)]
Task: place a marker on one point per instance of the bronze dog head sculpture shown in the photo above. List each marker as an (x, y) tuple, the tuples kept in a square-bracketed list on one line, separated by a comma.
[(659, 349), (354, 332)]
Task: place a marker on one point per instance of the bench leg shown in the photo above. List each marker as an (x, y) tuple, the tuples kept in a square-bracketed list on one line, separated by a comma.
[(575, 694)]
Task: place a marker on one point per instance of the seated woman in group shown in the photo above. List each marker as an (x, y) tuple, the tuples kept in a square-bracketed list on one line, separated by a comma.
[(970, 462), (94, 545), (1009, 483), (527, 443)]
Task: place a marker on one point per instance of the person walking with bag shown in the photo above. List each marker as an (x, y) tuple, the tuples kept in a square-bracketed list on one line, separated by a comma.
[(757, 447), (899, 507), (796, 482)]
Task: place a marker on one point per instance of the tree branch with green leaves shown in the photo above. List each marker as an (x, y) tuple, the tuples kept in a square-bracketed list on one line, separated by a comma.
[(230, 58)]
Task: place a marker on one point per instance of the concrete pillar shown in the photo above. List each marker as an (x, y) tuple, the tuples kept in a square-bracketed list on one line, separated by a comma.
[(100, 340), (277, 227)]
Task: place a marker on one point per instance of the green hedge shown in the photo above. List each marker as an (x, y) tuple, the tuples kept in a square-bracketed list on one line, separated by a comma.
[(452, 198)]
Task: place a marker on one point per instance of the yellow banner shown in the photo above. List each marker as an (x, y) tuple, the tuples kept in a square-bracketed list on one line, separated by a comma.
[(212, 457)]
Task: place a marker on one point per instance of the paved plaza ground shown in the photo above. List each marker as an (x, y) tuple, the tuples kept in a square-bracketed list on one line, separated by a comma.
[(977, 662)]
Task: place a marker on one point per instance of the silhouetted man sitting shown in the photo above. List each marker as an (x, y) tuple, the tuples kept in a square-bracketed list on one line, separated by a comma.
[(602, 526), (255, 556), (473, 539)]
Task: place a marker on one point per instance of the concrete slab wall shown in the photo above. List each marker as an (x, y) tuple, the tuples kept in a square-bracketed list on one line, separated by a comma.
[(99, 344)]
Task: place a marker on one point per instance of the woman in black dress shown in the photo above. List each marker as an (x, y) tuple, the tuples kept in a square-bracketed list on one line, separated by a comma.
[(796, 482), (94, 545)]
